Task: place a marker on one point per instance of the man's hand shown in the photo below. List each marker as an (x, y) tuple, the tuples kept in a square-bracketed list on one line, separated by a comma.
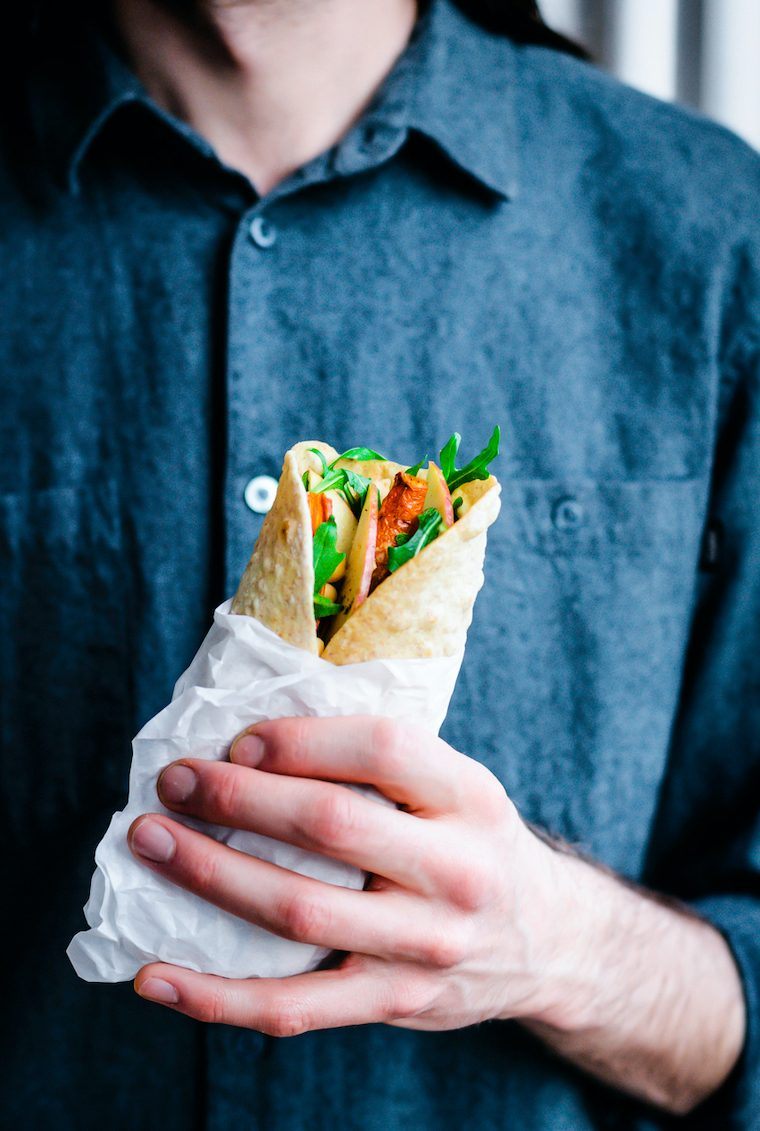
[(449, 932), (469, 916)]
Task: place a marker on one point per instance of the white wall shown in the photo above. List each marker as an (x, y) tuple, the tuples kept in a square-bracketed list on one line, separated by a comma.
[(705, 53)]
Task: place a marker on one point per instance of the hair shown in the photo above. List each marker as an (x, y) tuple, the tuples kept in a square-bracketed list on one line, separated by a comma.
[(522, 21)]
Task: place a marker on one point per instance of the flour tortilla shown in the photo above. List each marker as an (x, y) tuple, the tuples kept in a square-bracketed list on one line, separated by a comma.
[(422, 610), (277, 588), (425, 608)]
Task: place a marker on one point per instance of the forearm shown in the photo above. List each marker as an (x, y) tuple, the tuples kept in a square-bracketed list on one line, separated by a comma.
[(643, 995)]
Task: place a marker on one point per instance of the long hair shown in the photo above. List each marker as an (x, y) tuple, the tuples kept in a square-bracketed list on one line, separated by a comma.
[(522, 21)]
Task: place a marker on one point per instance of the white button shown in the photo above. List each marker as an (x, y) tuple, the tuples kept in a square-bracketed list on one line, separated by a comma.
[(263, 233), (260, 492)]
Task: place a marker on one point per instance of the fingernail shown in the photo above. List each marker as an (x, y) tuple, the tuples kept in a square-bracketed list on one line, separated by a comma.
[(176, 784), (156, 989), (248, 750), (153, 841)]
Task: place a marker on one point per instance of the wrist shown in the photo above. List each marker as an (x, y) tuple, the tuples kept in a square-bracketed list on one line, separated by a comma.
[(569, 919)]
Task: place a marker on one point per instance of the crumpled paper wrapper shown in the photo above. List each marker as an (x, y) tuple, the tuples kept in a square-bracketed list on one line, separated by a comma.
[(242, 674)]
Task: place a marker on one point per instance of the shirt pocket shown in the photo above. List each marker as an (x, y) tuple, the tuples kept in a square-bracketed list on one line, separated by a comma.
[(575, 659), (64, 701)]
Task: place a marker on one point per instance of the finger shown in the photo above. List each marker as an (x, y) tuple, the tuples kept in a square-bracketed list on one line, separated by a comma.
[(385, 923), (408, 764), (316, 815), (285, 1007)]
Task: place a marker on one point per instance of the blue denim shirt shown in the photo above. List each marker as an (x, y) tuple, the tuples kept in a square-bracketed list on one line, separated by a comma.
[(506, 236)]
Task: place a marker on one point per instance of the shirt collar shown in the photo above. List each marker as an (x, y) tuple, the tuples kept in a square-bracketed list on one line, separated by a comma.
[(461, 87), (455, 84), (79, 83)]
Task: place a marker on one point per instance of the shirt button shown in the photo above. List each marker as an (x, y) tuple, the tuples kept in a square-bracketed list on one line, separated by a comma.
[(567, 513), (260, 492), (263, 233)]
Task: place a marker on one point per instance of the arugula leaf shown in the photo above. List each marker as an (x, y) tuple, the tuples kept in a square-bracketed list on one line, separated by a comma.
[(322, 459), (359, 454), (477, 468), (457, 503), (325, 608), (326, 557), (352, 487), (449, 454), (335, 480), (305, 480), (355, 490), (430, 523), (416, 469)]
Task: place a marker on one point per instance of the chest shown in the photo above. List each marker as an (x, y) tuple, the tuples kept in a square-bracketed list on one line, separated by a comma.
[(169, 349)]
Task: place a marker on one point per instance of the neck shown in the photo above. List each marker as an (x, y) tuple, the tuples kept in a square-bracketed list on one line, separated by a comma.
[(270, 84)]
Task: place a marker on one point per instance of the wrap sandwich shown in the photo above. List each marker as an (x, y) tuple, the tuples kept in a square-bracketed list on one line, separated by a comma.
[(361, 558)]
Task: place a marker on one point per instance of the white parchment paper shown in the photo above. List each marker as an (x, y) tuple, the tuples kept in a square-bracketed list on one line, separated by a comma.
[(242, 673)]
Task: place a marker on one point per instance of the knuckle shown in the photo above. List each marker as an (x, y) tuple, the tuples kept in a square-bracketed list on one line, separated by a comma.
[(490, 795), (202, 870), (223, 790), (470, 886), (444, 949), (287, 741), (212, 1008), (286, 1019), (293, 737), (333, 819), (303, 918), (404, 998), (389, 744)]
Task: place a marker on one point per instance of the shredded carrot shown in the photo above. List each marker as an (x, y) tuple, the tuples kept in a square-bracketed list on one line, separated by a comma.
[(320, 509)]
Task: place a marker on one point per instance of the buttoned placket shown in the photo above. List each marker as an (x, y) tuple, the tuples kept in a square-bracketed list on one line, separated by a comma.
[(262, 251)]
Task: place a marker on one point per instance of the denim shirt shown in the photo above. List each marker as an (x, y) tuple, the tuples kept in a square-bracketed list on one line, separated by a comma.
[(506, 236)]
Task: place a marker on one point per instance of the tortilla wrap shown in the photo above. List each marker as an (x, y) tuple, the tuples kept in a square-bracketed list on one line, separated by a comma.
[(425, 608), (422, 610), (277, 588)]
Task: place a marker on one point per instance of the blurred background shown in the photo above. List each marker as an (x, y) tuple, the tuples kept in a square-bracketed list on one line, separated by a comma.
[(703, 53)]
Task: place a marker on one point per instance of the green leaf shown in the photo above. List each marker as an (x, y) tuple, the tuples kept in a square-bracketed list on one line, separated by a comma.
[(449, 454), (355, 490), (326, 557), (359, 454), (322, 459), (416, 469), (335, 480), (477, 468), (305, 480), (352, 487), (324, 607), (457, 503), (430, 523)]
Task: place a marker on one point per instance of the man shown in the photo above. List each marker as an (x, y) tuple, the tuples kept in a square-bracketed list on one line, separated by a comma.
[(230, 227)]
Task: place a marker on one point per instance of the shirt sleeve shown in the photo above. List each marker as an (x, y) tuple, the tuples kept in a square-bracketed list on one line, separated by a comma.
[(706, 843)]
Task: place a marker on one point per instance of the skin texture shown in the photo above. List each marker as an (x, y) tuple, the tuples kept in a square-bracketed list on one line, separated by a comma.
[(469, 916)]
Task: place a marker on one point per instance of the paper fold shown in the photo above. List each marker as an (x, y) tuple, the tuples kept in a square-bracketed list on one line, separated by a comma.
[(242, 674)]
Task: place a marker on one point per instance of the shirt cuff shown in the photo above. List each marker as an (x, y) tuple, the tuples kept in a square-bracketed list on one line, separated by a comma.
[(736, 1104)]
